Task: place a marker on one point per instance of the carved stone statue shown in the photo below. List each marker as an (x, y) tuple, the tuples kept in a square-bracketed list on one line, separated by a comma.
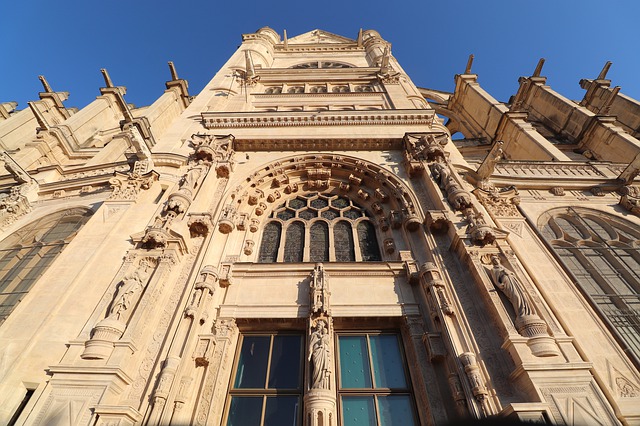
[(509, 284), (132, 285), (319, 355), (191, 178), (319, 290)]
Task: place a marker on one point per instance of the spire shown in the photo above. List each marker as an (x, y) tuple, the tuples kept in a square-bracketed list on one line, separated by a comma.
[(45, 84), (107, 79), (286, 40), (42, 122), (360, 38), (172, 69)]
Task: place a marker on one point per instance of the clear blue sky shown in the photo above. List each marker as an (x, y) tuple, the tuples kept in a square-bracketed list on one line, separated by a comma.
[(68, 41)]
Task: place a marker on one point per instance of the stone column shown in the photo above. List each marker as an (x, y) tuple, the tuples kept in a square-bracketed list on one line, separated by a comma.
[(320, 397)]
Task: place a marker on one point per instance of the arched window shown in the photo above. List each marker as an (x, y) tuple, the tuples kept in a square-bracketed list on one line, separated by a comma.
[(328, 224), (603, 255), (270, 242), (26, 254), (294, 242)]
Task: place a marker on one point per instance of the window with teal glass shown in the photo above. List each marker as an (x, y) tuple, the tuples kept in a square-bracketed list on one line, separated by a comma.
[(267, 384), (374, 388)]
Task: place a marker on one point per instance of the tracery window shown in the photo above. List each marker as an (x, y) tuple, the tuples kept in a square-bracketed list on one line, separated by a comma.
[(318, 228), (603, 254), (321, 64), (27, 253)]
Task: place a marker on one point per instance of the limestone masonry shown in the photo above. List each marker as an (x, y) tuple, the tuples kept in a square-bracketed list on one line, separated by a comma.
[(313, 240)]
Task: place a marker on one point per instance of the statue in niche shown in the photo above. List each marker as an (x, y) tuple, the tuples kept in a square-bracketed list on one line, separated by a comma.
[(319, 290), (191, 178), (319, 355), (132, 285), (509, 284)]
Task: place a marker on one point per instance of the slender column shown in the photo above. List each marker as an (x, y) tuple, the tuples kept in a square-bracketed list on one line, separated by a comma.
[(320, 397)]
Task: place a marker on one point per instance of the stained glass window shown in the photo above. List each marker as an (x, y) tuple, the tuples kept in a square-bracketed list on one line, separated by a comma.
[(267, 386), (270, 242), (30, 251), (373, 385), (343, 238), (368, 243), (298, 214), (603, 255), (294, 242), (319, 238)]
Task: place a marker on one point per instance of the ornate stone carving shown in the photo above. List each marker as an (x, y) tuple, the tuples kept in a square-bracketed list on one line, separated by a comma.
[(502, 203), (127, 186), (479, 231), (389, 245), (434, 285), (435, 346), (248, 247), (437, 220), (478, 387), (320, 355), (630, 199), (128, 292), (527, 321), (558, 191), (225, 278), (319, 291), (199, 224), (458, 197), (227, 220), (13, 205)]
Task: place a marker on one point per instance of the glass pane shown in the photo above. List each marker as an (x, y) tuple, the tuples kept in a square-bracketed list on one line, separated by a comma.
[(319, 236), (285, 363), (358, 411), (354, 362), (343, 240), (386, 360), (282, 411), (395, 410), (270, 243), (252, 366), (245, 411), (368, 242), (294, 242)]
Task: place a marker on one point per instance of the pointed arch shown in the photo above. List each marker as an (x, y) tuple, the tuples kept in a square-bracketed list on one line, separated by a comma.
[(602, 254)]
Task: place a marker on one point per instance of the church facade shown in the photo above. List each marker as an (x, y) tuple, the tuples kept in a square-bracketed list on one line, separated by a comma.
[(373, 252)]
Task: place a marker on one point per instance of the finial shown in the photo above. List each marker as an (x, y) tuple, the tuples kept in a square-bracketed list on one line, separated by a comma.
[(174, 73), (107, 79), (286, 40), (606, 108), (250, 69), (538, 69), (45, 84), (360, 38), (605, 70), (469, 63), (42, 122)]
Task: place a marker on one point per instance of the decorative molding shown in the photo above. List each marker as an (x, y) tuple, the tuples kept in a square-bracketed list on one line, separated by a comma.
[(232, 120)]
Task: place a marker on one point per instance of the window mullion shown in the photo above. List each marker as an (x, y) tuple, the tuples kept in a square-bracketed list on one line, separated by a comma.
[(266, 376)]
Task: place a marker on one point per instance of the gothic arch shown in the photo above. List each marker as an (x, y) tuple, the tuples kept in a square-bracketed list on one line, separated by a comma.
[(602, 254), (389, 203), (28, 252)]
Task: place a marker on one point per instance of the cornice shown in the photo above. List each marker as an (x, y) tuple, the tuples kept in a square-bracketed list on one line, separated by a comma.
[(234, 120), (320, 47), (319, 95), (329, 144)]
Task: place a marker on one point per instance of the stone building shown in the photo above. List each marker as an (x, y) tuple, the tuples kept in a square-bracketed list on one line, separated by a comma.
[(304, 242)]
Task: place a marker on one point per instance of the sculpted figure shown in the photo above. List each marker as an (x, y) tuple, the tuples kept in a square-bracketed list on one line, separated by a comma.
[(128, 292), (319, 355), (509, 284), (190, 180), (318, 290)]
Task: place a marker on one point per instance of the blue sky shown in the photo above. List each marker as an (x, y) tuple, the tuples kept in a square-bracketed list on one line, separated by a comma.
[(68, 41)]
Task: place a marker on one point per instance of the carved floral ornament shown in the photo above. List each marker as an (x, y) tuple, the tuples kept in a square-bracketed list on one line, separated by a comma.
[(377, 190)]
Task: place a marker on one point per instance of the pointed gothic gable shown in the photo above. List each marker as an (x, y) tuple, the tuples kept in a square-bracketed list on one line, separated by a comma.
[(319, 36)]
